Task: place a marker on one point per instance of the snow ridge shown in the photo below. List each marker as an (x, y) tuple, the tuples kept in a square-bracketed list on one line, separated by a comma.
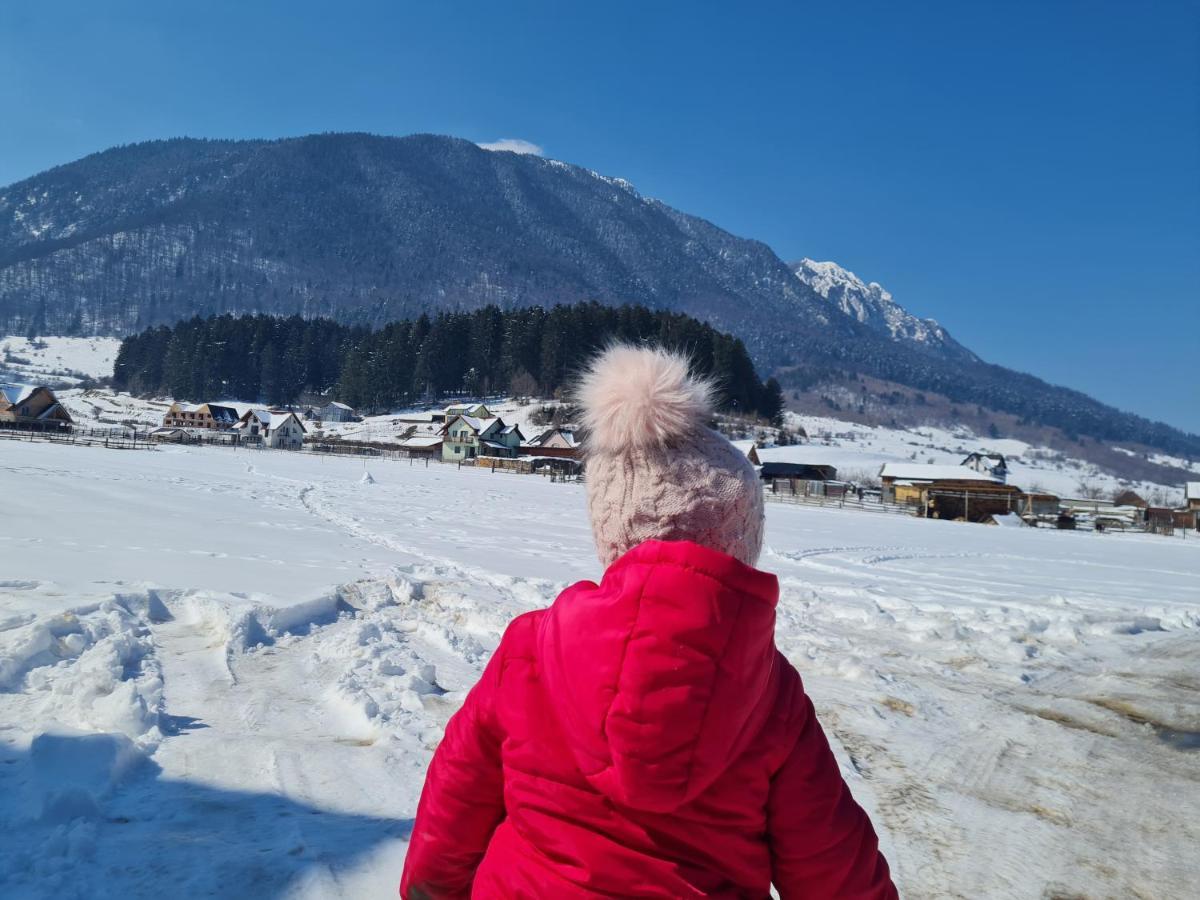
[(870, 304)]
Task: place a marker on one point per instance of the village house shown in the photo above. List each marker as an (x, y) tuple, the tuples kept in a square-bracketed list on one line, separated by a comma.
[(989, 464), (1192, 496), (211, 416), (335, 412), (948, 492), (467, 437), (1130, 498), (274, 428), (476, 411), (32, 405), (559, 443)]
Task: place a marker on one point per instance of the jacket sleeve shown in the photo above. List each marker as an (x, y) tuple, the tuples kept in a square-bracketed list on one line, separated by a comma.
[(462, 801), (822, 843)]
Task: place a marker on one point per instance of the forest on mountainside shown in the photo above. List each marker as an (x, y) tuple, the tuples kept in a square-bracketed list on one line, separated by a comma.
[(526, 352)]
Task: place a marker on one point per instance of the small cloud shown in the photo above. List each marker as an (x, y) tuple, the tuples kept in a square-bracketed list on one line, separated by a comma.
[(514, 145)]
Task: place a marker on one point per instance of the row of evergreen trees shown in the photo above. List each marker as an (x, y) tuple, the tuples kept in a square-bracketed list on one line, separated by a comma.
[(521, 351)]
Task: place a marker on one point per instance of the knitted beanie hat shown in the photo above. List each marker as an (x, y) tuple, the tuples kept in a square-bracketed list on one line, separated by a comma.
[(655, 469)]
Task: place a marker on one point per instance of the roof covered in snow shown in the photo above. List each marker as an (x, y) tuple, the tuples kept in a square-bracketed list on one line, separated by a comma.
[(479, 426), (921, 472), (1193, 490), (427, 440), (17, 393)]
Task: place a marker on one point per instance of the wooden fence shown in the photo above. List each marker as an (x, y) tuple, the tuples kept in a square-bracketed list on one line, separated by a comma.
[(829, 496), (112, 438)]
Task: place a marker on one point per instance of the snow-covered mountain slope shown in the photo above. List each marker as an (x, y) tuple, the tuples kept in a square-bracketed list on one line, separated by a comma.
[(57, 360), (226, 670), (873, 306)]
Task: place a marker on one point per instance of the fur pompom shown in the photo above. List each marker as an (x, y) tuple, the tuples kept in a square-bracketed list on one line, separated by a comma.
[(637, 398)]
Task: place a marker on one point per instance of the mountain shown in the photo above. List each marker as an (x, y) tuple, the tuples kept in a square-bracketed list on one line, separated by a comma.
[(874, 307), (368, 229), (365, 229)]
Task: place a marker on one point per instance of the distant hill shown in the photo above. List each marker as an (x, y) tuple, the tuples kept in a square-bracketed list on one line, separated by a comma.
[(368, 230)]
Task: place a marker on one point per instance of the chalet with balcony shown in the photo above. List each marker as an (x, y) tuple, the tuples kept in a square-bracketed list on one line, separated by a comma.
[(466, 437), (210, 416), (31, 406), (273, 428)]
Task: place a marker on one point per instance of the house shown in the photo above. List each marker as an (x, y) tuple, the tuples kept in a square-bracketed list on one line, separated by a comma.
[(800, 471), (505, 441), (989, 464), (560, 443), (31, 406), (212, 416), (335, 412), (1192, 496), (1130, 498), (475, 411), (948, 492), (274, 428), (466, 437), (558, 438)]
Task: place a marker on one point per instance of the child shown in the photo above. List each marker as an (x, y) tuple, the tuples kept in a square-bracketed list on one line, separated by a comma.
[(643, 737)]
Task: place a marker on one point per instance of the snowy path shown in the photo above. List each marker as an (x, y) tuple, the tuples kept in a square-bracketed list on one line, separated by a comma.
[(226, 672)]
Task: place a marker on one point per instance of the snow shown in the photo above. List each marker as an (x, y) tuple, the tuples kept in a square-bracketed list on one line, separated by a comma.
[(225, 670), (57, 360), (16, 394), (867, 303), (1193, 490)]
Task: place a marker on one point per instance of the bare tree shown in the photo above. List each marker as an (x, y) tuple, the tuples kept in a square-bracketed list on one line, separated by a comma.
[(523, 386), (1090, 489), (865, 478)]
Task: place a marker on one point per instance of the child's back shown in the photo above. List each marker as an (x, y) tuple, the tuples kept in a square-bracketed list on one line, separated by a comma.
[(643, 737)]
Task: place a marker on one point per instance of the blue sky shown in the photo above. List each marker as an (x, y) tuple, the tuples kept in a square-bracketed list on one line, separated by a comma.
[(1028, 173)]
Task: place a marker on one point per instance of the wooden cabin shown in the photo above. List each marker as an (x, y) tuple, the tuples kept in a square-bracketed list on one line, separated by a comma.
[(32, 406), (948, 492)]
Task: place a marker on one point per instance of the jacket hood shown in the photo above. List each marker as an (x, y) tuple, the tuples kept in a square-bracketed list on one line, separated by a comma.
[(666, 670)]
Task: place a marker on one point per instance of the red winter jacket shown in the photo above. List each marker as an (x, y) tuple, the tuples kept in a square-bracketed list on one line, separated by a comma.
[(642, 738)]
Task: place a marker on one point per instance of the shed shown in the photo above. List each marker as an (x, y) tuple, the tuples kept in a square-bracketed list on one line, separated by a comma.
[(948, 492), (802, 471), (336, 412)]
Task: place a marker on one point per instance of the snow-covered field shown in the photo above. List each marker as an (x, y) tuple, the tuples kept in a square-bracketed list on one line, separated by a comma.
[(57, 360), (223, 672)]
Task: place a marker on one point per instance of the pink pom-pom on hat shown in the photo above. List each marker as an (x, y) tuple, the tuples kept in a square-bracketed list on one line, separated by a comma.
[(655, 467)]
